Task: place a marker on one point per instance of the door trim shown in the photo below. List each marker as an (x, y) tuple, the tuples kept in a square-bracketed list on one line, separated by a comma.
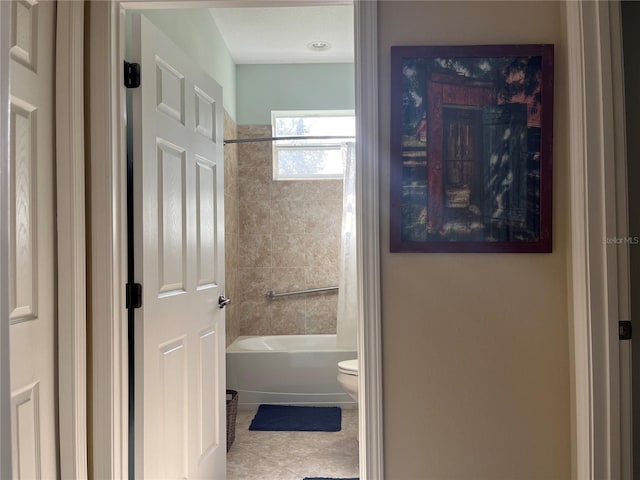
[(71, 265), (108, 232), (5, 387), (599, 281), (368, 238), (107, 239), (71, 249)]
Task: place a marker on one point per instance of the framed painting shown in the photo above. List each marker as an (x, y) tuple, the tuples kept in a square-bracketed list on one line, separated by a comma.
[(471, 148)]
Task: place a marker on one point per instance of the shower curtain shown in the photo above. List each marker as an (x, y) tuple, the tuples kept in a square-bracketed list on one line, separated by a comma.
[(347, 320)]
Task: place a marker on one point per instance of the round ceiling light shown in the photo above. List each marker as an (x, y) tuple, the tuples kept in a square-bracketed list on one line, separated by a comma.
[(319, 46)]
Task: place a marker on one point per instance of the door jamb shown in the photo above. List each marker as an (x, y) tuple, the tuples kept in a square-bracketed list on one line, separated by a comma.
[(71, 245), (368, 241), (107, 240), (599, 277), (108, 211)]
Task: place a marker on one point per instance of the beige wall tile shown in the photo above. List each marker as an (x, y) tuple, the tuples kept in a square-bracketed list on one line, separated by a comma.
[(254, 283), (255, 218), (323, 189), (231, 217), (323, 216), (258, 154), (322, 249), (231, 178), (231, 250), (289, 250), (288, 215), (287, 315), (255, 155), (320, 315), (254, 185), (252, 131), (253, 313), (255, 251), (232, 312), (292, 190), (289, 240), (322, 276), (288, 279)]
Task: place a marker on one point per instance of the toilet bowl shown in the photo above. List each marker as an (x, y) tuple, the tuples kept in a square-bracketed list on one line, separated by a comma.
[(348, 377)]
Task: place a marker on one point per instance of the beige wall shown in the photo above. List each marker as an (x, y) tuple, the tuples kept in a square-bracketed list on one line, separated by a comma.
[(476, 361), (289, 238)]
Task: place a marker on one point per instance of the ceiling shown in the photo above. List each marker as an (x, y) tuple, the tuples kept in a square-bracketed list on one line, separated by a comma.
[(281, 34)]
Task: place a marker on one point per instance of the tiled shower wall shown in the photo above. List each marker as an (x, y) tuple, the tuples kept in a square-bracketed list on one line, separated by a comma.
[(231, 229), (288, 239)]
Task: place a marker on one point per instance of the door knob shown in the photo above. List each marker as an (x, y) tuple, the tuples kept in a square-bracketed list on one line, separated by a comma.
[(223, 302)]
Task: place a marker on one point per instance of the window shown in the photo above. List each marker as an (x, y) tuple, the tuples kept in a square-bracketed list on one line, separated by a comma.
[(315, 158)]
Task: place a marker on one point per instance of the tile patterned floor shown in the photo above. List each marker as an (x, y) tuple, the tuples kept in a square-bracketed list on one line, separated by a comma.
[(293, 455)]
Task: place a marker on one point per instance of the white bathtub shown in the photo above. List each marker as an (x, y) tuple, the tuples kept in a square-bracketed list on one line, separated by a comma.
[(287, 369)]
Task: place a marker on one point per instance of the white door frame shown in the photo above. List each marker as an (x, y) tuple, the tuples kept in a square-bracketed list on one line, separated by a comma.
[(368, 241), (107, 154), (71, 249), (600, 283), (107, 237), (71, 264)]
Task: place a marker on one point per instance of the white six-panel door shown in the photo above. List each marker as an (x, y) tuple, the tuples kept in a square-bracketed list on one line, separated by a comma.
[(32, 241), (179, 246)]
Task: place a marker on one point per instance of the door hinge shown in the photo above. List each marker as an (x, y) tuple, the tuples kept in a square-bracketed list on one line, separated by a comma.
[(624, 330), (131, 75), (134, 295)]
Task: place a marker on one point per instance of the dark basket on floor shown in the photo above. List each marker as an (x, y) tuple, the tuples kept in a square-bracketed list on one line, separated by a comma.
[(232, 413)]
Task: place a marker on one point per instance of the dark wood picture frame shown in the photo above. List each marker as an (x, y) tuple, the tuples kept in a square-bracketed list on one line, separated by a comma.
[(471, 148)]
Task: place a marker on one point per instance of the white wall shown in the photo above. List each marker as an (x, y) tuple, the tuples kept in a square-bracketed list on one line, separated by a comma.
[(476, 359)]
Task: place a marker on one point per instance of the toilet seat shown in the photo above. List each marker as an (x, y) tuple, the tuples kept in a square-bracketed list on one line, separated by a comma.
[(348, 367)]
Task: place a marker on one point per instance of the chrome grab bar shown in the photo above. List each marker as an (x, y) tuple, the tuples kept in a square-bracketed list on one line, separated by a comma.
[(271, 294)]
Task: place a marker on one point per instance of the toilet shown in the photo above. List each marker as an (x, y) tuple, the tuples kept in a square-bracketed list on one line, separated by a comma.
[(348, 377)]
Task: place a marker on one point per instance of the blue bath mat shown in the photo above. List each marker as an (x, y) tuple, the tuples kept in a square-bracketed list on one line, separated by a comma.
[(287, 418)]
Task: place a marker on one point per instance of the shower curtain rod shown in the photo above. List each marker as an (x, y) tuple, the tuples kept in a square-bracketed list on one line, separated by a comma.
[(273, 139)]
